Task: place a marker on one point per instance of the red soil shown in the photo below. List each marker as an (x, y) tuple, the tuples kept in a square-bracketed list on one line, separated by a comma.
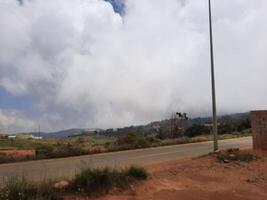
[(201, 179), (17, 153)]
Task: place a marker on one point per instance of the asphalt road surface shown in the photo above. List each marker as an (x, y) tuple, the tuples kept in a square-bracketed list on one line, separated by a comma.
[(67, 167)]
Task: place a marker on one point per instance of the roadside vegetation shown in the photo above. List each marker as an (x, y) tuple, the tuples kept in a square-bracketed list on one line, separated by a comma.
[(48, 149), (231, 155), (88, 144), (101, 181), (16, 188), (51, 148), (93, 182)]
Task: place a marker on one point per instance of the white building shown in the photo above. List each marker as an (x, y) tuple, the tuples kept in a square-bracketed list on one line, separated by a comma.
[(36, 137)]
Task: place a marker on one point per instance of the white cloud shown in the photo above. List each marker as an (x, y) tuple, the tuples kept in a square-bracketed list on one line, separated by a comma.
[(12, 121), (90, 67)]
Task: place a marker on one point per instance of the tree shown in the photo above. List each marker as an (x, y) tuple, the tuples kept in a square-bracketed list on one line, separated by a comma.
[(196, 130)]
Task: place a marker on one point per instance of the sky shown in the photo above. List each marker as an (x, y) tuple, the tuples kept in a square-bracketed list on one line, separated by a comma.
[(114, 63)]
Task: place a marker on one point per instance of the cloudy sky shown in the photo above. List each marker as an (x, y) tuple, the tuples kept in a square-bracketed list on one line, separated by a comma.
[(96, 63)]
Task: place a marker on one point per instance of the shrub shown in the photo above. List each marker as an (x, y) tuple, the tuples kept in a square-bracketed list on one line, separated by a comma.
[(137, 173), (153, 140), (225, 129), (142, 142), (162, 135), (44, 151), (59, 150), (99, 181), (246, 157), (196, 130), (235, 155), (93, 180), (131, 140)]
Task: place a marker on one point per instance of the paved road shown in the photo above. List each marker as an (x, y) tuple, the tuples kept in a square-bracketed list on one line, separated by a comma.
[(66, 167)]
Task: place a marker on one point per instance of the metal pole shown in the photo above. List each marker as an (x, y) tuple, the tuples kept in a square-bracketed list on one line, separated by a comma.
[(39, 130), (214, 112)]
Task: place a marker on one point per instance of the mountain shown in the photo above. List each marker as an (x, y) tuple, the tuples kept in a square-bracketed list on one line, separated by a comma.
[(65, 133), (59, 134)]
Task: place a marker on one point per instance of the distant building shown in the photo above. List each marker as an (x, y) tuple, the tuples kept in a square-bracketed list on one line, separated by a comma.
[(211, 124), (30, 137), (36, 137), (259, 129), (12, 136)]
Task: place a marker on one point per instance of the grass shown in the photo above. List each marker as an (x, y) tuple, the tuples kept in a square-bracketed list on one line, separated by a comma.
[(20, 189), (90, 181)]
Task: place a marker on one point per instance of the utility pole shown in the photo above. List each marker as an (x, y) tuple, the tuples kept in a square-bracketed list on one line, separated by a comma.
[(214, 112), (39, 130)]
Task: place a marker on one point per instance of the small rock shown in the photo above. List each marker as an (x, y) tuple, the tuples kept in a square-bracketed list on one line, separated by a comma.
[(61, 184), (226, 161)]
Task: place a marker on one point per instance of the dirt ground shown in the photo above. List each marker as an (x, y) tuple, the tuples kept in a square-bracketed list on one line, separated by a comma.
[(202, 178)]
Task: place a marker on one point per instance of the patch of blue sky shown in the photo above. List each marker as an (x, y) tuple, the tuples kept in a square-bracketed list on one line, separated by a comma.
[(118, 6), (10, 101)]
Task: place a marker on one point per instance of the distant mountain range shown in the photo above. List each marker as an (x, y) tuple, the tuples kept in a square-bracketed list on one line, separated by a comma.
[(63, 133), (86, 131)]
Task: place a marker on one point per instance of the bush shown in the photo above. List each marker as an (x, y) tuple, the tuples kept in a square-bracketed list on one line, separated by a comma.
[(162, 135), (99, 181), (142, 142), (59, 150), (196, 130), (246, 157), (235, 155), (225, 129), (131, 140), (44, 151), (153, 140), (137, 173), (93, 180)]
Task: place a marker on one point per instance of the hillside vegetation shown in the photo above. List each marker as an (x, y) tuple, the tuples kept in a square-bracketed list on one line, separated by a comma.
[(152, 135)]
